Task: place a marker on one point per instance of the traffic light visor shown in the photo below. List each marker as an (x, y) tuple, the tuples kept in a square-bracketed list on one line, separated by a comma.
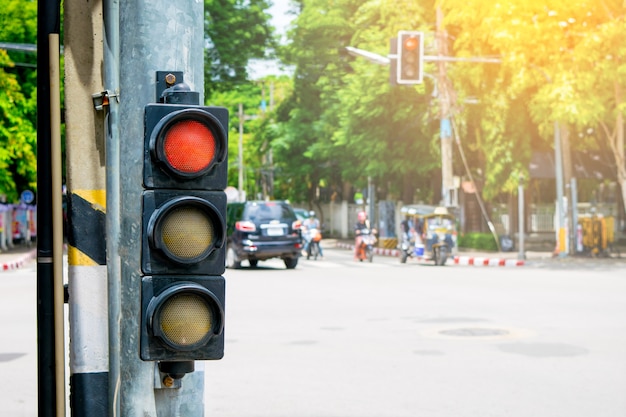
[(186, 229), (188, 143), (185, 316)]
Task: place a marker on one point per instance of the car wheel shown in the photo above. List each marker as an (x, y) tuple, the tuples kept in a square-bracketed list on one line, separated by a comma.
[(231, 259), (253, 263), (290, 263)]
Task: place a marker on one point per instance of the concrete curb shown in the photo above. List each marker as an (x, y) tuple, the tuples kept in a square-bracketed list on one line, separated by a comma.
[(482, 261), (458, 260), (18, 262)]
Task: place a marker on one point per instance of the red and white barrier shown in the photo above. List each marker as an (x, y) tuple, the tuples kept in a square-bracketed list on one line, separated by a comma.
[(19, 262), (458, 260), (482, 261)]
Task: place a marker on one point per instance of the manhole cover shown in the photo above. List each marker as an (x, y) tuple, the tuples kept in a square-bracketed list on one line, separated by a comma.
[(475, 332)]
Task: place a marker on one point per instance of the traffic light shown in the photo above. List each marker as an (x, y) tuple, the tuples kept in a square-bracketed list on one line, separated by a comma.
[(183, 232), (410, 54)]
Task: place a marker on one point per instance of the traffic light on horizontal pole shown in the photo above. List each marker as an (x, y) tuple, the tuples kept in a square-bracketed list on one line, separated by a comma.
[(410, 53)]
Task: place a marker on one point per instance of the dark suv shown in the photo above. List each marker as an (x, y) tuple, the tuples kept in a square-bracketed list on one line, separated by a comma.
[(260, 230)]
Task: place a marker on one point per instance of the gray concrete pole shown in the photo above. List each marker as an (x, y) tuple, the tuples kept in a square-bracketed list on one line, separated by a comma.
[(86, 197), (240, 154), (561, 234), (447, 179), (520, 214), (155, 35), (574, 203)]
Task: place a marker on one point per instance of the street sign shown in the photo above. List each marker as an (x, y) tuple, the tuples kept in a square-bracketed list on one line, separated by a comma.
[(27, 196)]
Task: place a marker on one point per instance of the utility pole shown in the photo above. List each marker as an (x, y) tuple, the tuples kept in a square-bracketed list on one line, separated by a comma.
[(521, 254), (561, 237), (155, 36), (240, 154), (86, 195), (270, 154), (49, 359), (445, 104)]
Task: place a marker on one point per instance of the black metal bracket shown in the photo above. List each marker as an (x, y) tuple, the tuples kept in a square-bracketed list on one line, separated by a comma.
[(165, 80)]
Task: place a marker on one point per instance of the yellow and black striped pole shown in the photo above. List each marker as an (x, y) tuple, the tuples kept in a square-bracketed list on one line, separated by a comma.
[(86, 202)]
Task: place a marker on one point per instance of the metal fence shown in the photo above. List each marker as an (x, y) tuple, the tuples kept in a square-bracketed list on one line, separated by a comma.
[(541, 218), (339, 218)]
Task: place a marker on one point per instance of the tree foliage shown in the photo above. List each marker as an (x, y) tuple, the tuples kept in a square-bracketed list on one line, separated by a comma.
[(18, 137), (564, 58), (235, 32), (342, 123)]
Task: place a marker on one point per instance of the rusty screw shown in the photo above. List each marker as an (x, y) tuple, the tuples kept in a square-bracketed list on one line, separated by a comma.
[(168, 381), (170, 79)]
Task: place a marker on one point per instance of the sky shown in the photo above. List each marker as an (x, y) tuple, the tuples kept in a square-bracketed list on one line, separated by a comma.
[(280, 20)]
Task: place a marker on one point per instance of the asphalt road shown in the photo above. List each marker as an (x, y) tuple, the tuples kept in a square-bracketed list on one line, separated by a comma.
[(18, 342), (341, 338), (338, 338)]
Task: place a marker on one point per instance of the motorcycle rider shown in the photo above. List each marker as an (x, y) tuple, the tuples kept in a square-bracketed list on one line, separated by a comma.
[(311, 223), (362, 223)]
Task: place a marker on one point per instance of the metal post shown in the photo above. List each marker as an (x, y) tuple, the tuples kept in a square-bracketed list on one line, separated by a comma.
[(520, 214), (111, 73), (371, 202), (57, 215), (240, 155), (573, 233), (561, 234), (155, 35), (447, 179), (48, 23)]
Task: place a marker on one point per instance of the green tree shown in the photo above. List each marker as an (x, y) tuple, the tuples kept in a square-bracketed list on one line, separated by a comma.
[(564, 57), (257, 130), (235, 31), (18, 110), (343, 122), (304, 150), (18, 137), (387, 129), (18, 24)]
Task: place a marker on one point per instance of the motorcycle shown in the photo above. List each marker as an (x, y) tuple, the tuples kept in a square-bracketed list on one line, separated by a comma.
[(314, 236), (366, 246), (434, 230), (410, 248)]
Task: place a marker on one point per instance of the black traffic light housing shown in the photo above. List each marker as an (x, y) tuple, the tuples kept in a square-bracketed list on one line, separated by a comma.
[(410, 52), (160, 340), (159, 172), (193, 254), (183, 228)]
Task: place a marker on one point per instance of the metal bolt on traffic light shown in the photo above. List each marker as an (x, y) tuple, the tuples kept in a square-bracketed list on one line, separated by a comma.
[(184, 229), (410, 57)]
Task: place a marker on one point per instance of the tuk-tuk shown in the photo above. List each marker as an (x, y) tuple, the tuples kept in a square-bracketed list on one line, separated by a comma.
[(427, 232)]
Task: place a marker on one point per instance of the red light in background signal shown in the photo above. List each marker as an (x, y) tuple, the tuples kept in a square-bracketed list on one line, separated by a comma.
[(410, 44)]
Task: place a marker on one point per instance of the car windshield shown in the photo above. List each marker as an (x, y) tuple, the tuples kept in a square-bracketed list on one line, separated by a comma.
[(260, 212)]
